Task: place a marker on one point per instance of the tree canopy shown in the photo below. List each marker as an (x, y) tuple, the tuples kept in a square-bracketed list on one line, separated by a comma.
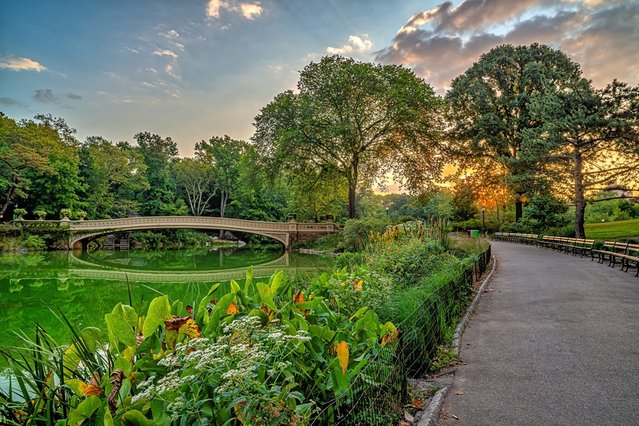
[(355, 120), (490, 109)]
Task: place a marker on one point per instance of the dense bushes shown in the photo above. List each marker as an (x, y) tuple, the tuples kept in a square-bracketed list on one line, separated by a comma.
[(170, 239)]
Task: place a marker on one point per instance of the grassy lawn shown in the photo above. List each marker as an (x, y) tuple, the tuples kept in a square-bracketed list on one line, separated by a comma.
[(613, 230)]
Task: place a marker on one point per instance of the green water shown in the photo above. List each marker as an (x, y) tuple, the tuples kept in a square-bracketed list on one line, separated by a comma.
[(86, 286)]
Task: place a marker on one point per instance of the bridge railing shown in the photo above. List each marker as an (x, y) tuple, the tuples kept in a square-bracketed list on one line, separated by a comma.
[(100, 224)]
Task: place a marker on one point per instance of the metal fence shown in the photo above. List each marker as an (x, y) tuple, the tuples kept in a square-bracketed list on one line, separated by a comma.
[(379, 392)]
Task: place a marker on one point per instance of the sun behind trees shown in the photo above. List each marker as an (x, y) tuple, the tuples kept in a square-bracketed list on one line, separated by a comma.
[(529, 110)]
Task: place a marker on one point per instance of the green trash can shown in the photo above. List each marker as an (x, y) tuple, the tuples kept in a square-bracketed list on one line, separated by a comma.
[(474, 233)]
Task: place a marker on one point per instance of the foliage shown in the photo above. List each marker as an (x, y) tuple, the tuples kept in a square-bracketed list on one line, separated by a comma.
[(353, 120), (516, 227), (245, 354), (224, 156), (65, 213), (490, 107), (464, 203), (19, 213), (33, 242), (37, 165), (438, 204), (591, 139), (611, 210), (40, 214), (197, 182), (491, 225), (465, 246), (159, 155), (356, 232), (170, 238), (115, 176), (544, 211)]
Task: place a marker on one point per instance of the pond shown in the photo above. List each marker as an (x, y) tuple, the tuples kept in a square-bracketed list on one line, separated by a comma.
[(36, 287)]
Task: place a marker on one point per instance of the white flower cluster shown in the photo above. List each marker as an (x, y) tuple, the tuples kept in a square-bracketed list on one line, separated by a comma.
[(231, 362)]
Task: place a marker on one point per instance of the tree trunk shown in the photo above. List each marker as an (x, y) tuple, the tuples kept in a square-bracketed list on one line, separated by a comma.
[(223, 199), (352, 200), (8, 196), (580, 200), (519, 210), (352, 188)]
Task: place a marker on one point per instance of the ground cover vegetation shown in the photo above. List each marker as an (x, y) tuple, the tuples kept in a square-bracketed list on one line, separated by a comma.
[(281, 351)]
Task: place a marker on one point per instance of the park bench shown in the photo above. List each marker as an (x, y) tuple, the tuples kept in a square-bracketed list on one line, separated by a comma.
[(630, 259), (611, 252), (583, 247)]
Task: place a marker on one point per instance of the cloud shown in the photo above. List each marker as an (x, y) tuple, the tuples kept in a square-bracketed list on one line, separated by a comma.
[(10, 102), (47, 96), (355, 46), (132, 50), (20, 64), (171, 34), (171, 70), (443, 42), (249, 10), (165, 52)]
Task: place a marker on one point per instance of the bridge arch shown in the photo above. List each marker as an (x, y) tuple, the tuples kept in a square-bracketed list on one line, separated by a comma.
[(79, 238), (284, 232)]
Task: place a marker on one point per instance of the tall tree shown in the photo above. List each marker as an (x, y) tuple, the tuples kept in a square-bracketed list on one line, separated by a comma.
[(197, 181), (159, 155), (590, 139), (490, 109), (224, 155), (114, 175), (60, 184), (19, 153), (354, 120)]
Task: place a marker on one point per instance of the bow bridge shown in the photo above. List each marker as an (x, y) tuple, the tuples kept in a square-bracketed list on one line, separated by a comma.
[(80, 231)]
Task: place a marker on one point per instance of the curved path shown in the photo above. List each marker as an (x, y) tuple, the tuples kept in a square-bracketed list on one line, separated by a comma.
[(554, 341)]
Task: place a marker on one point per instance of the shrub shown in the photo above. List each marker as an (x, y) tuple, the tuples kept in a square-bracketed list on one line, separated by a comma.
[(40, 214), (261, 353), (356, 232), (19, 213), (65, 213), (33, 242), (491, 225), (515, 227)]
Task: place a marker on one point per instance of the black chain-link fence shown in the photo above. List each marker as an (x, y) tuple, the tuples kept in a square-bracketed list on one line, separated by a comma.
[(378, 393)]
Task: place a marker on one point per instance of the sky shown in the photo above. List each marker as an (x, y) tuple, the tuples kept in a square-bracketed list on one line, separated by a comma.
[(194, 69)]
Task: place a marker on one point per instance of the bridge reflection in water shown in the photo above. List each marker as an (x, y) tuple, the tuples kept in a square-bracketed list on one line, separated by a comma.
[(81, 269), (36, 287)]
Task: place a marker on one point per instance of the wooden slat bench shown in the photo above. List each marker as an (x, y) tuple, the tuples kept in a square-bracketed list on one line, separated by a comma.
[(610, 252), (630, 259)]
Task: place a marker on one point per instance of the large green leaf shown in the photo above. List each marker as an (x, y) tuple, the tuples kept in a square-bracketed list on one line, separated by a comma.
[(249, 281), (119, 330), (266, 296), (277, 282), (135, 418), (222, 306), (159, 311), (84, 410)]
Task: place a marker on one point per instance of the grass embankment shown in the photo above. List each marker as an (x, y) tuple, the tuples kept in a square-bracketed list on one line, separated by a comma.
[(613, 230)]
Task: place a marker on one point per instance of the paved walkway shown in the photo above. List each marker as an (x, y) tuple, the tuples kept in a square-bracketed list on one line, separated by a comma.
[(554, 341)]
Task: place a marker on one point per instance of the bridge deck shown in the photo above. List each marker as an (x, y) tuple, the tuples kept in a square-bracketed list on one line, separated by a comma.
[(285, 232)]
